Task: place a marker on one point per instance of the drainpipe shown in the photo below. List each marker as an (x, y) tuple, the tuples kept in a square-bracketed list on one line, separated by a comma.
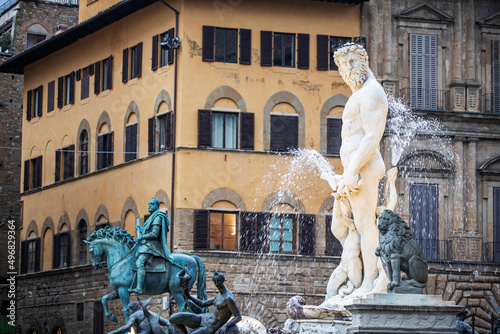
[(174, 114)]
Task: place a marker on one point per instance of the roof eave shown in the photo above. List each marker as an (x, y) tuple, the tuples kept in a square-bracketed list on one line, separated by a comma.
[(108, 16)]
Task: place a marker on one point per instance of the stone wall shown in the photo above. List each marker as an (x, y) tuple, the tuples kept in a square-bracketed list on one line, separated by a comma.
[(262, 286)]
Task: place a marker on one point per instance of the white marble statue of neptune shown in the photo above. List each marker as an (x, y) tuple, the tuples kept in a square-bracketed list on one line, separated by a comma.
[(356, 190)]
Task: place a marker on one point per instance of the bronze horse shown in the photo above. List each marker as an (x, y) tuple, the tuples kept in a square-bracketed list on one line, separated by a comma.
[(119, 248)]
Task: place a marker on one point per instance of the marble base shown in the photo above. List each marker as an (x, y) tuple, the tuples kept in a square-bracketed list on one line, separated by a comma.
[(320, 326), (397, 313)]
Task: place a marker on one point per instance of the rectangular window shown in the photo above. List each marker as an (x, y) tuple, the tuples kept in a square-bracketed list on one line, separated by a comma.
[(36, 102), (423, 71), (135, 61), (164, 50), (226, 45), (284, 50), (105, 74), (164, 131), (80, 315), (63, 250), (131, 142), (225, 130), (221, 45), (85, 84), (84, 156), (105, 150), (65, 163), (424, 218), (282, 233), (51, 87), (223, 230), (36, 172), (67, 89), (335, 43), (31, 256)]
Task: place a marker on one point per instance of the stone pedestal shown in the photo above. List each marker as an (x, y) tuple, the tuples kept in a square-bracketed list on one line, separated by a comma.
[(396, 313), (320, 326)]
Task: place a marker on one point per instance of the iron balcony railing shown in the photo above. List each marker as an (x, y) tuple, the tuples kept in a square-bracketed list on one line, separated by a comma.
[(436, 250), (426, 99), (491, 104), (491, 252)]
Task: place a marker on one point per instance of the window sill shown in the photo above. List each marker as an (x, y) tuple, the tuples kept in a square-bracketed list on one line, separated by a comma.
[(34, 120), (225, 66), (50, 114), (285, 70), (104, 93), (164, 69), (85, 101), (133, 81), (66, 107), (334, 74)]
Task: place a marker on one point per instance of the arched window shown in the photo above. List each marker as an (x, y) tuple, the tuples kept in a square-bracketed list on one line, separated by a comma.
[(131, 138), (36, 33), (84, 152), (82, 231)]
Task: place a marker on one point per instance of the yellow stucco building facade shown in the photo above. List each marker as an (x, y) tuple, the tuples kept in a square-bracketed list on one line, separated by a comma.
[(113, 118)]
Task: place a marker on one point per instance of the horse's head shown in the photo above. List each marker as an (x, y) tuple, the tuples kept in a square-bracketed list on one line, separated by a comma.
[(96, 253)]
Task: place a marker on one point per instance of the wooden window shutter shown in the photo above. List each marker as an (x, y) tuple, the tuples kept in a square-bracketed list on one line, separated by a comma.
[(110, 149), (495, 77), (97, 78), (110, 72), (29, 101), (100, 154), (71, 160), (307, 227), (169, 131), (134, 140), (333, 246), (266, 48), (262, 232), (78, 74), (277, 133), (128, 143), (171, 35), (245, 46), (37, 254), (85, 85), (247, 231), (303, 51), (68, 250), (254, 232), (39, 166), (24, 257), (40, 100), (208, 47), (58, 166), (139, 60), (154, 54), (91, 69), (204, 128), (151, 135), (333, 135), (60, 92), (322, 52), (125, 66), (55, 252), (72, 87), (201, 229), (26, 180), (247, 131), (291, 132), (50, 96)]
